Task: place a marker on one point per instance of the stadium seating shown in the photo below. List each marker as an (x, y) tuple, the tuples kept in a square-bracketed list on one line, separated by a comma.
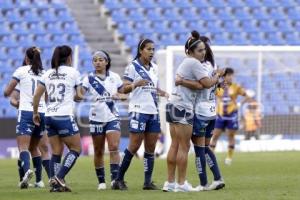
[(24, 23)]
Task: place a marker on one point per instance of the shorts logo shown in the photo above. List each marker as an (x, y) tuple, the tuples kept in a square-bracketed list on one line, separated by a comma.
[(142, 126), (134, 124)]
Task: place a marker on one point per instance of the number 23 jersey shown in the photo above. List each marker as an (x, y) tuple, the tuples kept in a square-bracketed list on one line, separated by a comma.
[(60, 87)]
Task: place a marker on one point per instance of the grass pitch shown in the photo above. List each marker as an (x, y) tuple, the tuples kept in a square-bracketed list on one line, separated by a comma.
[(256, 176)]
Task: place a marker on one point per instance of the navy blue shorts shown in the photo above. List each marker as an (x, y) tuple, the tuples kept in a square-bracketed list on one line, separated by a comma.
[(203, 127), (227, 122), (62, 126), (25, 125), (176, 114), (100, 128), (140, 123)]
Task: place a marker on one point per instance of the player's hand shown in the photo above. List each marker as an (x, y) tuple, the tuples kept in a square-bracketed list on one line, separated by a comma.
[(221, 72), (36, 119), (118, 96), (178, 80), (140, 83)]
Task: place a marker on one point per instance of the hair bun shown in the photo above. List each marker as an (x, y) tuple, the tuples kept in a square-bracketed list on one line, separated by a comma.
[(195, 34)]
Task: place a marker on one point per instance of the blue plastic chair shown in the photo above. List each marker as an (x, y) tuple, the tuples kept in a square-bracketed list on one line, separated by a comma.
[(260, 14), (182, 4), (4, 29), (225, 14), (160, 27), (149, 4), (235, 3), (242, 14), (285, 26), (165, 4), (20, 29), (277, 14), (125, 28), (171, 14), (249, 26), (13, 16), (275, 39), (232, 26), (217, 3), (207, 14), (112, 4), (177, 27), (253, 3), (239, 38), (9, 41), (267, 26), (119, 15), (190, 14), (143, 28), (136, 15), (294, 13), (202, 4), (154, 15), (31, 16)]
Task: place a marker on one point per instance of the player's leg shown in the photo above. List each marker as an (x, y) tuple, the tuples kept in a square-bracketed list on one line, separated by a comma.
[(99, 148), (220, 124), (36, 160), (231, 144), (44, 149)]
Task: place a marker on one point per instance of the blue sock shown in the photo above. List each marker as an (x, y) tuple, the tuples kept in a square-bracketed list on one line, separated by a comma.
[(148, 166), (212, 163), (20, 169), (124, 165), (201, 164), (54, 165), (68, 163), (100, 172), (46, 165), (25, 160), (37, 165), (114, 169)]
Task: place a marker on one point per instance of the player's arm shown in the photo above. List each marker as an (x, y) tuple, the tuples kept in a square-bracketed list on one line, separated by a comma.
[(80, 92), (129, 86), (194, 85), (162, 93), (207, 82), (15, 99), (10, 87), (36, 101)]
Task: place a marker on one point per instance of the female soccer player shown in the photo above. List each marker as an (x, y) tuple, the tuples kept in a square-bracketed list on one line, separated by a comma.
[(103, 85), (42, 146), (28, 134), (180, 110), (60, 83), (141, 79), (204, 119), (227, 111)]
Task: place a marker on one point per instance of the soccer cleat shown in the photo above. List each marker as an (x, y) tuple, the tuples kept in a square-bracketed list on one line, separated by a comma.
[(228, 161), (186, 187), (169, 187), (23, 186), (102, 186), (217, 185), (28, 175), (39, 184), (58, 185), (119, 185), (150, 186)]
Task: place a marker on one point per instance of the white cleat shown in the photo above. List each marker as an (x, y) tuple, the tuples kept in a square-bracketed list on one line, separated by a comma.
[(201, 188), (28, 175), (102, 186), (39, 184), (186, 187), (228, 161), (217, 185), (169, 187)]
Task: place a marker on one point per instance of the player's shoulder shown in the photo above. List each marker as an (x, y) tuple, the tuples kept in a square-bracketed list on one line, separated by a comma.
[(114, 75)]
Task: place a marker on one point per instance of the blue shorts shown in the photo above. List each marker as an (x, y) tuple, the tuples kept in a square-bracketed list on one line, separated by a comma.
[(203, 127), (175, 114), (100, 128), (62, 126), (25, 125), (227, 122), (140, 123)]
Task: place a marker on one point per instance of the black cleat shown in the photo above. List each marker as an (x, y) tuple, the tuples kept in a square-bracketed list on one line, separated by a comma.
[(150, 186), (58, 186), (119, 185)]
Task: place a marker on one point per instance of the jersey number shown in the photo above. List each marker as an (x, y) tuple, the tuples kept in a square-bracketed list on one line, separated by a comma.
[(61, 92)]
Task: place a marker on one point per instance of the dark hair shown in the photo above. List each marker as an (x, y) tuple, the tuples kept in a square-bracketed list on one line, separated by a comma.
[(141, 46), (34, 57), (228, 71), (192, 42), (60, 56), (108, 60)]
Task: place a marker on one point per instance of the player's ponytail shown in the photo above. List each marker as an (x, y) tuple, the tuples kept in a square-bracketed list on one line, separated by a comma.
[(60, 56), (33, 55), (209, 55), (141, 45)]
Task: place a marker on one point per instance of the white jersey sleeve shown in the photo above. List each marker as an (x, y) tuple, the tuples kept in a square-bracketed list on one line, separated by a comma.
[(129, 73)]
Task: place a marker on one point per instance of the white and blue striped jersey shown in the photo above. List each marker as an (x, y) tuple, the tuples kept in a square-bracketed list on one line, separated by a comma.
[(60, 88), (27, 82), (206, 98), (101, 91), (143, 99)]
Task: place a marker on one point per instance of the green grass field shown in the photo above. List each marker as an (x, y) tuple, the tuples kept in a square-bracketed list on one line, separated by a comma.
[(252, 176)]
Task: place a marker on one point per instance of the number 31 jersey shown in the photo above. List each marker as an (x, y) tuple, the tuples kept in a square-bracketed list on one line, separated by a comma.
[(60, 87), (27, 82)]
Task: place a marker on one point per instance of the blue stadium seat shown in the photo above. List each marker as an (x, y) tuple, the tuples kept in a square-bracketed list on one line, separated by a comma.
[(77, 39), (9, 41), (239, 38), (58, 6), (257, 38), (125, 28), (260, 14), (267, 26), (41, 5), (287, 3), (43, 41), (275, 38), (269, 3), (292, 38), (136, 15), (242, 13), (23, 5), (37, 29), (235, 3), (13, 16), (26, 40), (119, 15), (143, 27), (249, 26), (160, 27), (225, 14), (202, 4), (130, 4), (285, 26), (112, 4), (31, 16), (149, 4), (54, 28), (294, 13), (277, 14), (20, 29), (3, 56), (182, 38), (182, 4), (189, 14), (207, 14), (221, 39), (154, 15), (177, 27), (217, 3), (214, 26), (64, 16), (48, 16), (232, 26), (253, 3), (171, 14), (165, 3), (131, 40), (168, 39), (15, 53), (6, 5), (196, 25), (70, 28), (4, 29)]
